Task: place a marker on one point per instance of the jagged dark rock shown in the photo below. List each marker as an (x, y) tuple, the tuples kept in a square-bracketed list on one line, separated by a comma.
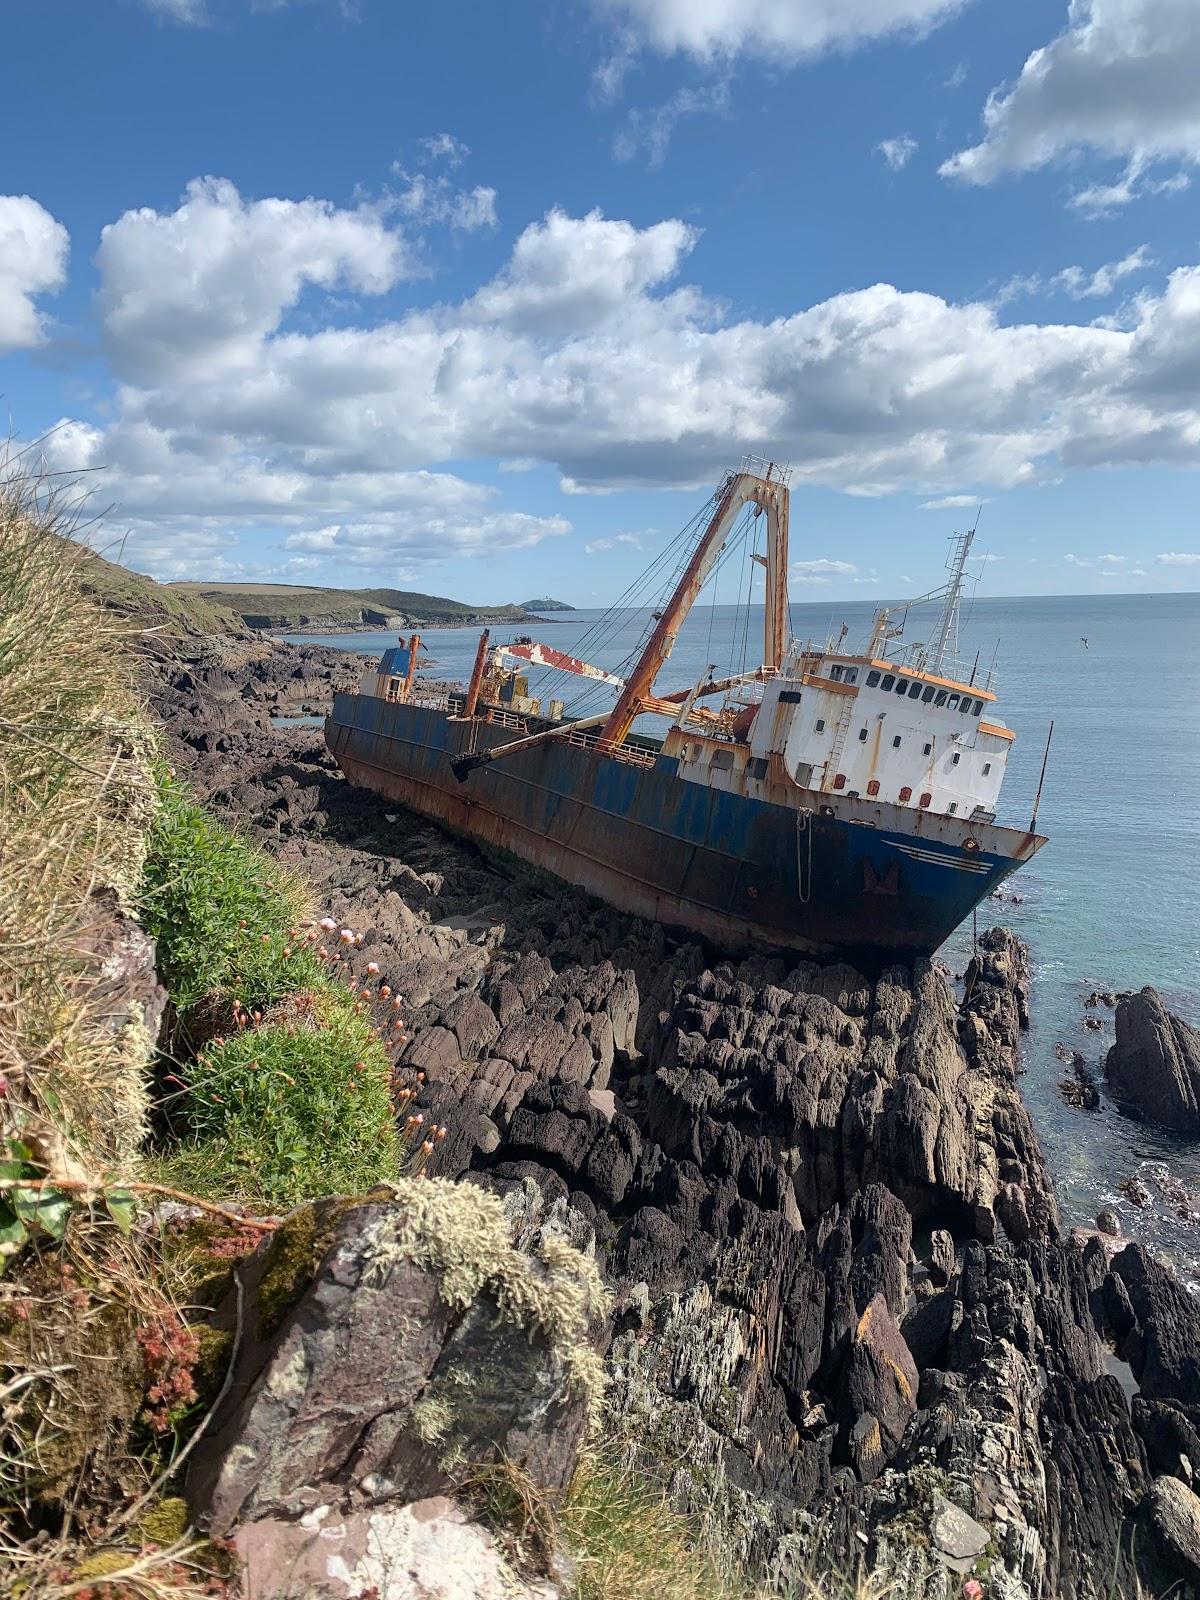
[(761, 1154), (1153, 1069)]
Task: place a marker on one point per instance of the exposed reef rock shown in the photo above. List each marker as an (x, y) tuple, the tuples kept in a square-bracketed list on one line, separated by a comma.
[(1153, 1069), (846, 1313)]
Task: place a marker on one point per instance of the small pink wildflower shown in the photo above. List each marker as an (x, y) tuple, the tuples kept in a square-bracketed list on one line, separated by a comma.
[(328, 924), (346, 936), (373, 968)]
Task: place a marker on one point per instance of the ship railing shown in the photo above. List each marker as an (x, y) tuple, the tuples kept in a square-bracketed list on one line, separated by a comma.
[(435, 702), (505, 719), (959, 669), (912, 659), (746, 694), (760, 467), (590, 739)]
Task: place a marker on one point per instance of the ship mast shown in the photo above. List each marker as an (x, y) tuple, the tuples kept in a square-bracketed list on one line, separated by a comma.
[(945, 635), (768, 491)]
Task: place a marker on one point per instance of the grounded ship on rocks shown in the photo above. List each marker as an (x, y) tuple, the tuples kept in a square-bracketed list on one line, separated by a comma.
[(838, 803)]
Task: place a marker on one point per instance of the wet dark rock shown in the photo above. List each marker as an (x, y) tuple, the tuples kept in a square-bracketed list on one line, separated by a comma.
[(1153, 1069), (1157, 1324), (1108, 1222), (1080, 1090)]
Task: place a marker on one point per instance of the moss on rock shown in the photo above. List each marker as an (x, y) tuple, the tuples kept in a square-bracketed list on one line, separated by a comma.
[(164, 1522), (296, 1251)]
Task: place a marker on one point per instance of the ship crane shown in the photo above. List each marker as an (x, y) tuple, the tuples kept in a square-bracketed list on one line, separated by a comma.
[(766, 491)]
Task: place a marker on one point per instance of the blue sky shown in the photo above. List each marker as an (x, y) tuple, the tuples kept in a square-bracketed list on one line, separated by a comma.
[(482, 300)]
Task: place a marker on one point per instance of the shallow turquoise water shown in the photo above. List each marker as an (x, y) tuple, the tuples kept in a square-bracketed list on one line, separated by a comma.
[(1111, 902)]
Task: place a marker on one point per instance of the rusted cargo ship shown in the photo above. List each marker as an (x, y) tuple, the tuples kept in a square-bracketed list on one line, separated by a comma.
[(837, 802)]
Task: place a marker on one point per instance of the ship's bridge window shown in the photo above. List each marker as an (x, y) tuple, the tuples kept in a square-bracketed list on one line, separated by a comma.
[(941, 698), (978, 707), (722, 760), (914, 692), (953, 807), (901, 685), (819, 725), (851, 675), (888, 680), (872, 679), (758, 767), (928, 695), (952, 703), (836, 674)]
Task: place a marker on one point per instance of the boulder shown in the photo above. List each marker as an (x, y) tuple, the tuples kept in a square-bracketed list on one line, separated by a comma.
[(1173, 1519), (1153, 1069), (386, 1345), (881, 1377)]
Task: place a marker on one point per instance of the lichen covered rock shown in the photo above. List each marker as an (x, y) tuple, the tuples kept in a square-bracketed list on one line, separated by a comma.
[(420, 1343)]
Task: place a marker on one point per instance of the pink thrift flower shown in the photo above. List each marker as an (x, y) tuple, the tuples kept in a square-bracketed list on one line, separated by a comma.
[(373, 968)]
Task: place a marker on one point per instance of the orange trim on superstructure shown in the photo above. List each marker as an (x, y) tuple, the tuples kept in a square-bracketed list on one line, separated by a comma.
[(829, 683), (999, 733), (925, 677)]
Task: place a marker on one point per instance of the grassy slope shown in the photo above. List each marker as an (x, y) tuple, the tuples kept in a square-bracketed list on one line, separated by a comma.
[(153, 605), (291, 603)]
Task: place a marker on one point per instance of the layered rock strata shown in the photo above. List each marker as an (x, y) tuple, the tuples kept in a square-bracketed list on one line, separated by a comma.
[(848, 1322)]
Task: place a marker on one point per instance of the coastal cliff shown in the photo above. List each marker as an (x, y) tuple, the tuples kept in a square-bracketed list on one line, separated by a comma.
[(513, 1246)]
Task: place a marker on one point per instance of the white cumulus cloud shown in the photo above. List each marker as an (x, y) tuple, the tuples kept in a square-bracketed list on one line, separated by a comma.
[(587, 352), (200, 288), (1179, 558), (1120, 82), (791, 29), (33, 261)]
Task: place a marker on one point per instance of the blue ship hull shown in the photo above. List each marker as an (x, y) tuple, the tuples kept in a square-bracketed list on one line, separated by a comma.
[(828, 875)]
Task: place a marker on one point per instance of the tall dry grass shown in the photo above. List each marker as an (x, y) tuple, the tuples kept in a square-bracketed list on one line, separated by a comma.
[(76, 800)]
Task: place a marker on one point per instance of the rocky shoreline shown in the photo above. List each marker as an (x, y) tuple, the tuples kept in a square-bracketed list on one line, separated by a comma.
[(846, 1313)]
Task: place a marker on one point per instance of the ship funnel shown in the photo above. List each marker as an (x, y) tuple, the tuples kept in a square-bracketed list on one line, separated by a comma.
[(463, 766)]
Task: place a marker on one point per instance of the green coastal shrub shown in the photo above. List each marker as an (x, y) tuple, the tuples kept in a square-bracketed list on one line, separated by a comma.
[(222, 913), (290, 1109), (279, 1087)]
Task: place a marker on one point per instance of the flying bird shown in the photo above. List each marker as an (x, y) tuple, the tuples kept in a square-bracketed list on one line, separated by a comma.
[(1084, 643)]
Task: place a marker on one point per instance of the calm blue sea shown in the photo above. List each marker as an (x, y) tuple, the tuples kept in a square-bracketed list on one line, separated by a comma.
[(1110, 903)]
